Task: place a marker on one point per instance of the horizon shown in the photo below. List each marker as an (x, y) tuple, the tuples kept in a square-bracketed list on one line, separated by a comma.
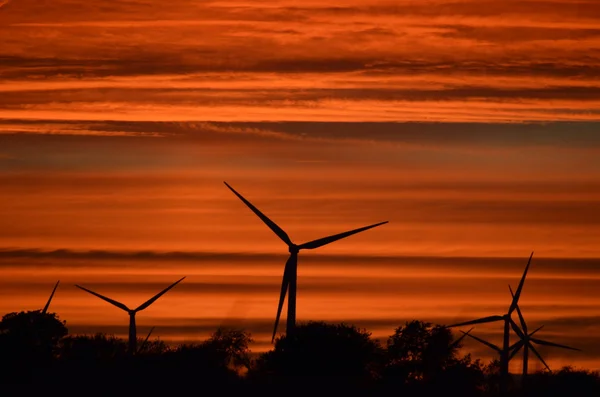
[(472, 127)]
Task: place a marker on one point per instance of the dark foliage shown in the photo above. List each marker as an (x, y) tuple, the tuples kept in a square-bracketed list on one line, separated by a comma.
[(319, 356), (29, 339), (565, 382), (317, 359), (422, 358)]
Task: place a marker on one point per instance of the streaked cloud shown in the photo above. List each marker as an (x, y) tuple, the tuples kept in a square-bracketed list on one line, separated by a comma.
[(476, 61)]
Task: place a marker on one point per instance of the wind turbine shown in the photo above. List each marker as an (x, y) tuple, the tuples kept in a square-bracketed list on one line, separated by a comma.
[(290, 274), (507, 323), (526, 339), (483, 341), (45, 309), (489, 344), (132, 329), (145, 341)]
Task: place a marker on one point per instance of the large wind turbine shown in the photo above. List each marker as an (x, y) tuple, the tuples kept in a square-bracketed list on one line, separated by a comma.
[(507, 324), (526, 339), (45, 309), (290, 271), (132, 329)]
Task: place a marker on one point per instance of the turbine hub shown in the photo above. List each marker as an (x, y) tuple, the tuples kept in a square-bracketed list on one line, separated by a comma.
[(294, 249)]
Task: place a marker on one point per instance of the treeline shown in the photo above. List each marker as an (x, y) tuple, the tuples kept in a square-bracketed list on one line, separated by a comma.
[(420, 359)]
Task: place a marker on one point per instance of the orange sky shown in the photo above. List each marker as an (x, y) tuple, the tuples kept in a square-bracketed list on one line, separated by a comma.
[(472, 126)]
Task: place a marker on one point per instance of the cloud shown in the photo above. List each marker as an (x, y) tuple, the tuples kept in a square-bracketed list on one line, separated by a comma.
[(476, 61), (407, 135)]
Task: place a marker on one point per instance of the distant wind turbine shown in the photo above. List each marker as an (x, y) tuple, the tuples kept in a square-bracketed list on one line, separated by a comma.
[(290, 274), (504, 352), (526, 339), (488, 344), (456, 342), (483, 341), (145, 341), (45, 309), (132, 328)]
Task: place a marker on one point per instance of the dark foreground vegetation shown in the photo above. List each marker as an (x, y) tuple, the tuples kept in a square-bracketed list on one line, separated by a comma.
[(38, 357)]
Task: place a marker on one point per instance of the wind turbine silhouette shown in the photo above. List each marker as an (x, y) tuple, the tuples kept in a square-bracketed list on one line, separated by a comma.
[(132, 313), (504, 352), (489, 344), (526, 339), (145, 341), (45, 309), (483, 341), (290, 274), (456, 342)]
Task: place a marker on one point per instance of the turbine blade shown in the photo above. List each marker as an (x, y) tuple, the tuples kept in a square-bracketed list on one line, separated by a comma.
[(517, 347), (514, 345), (155, 297), (537, 329), (272, 225), (111, 301), (145, 340), (456, 342), (544, 342), (515, 300), (45, 309), (285, 282), (483, 320), (521, 319), (538, 356), (490, 345), (330, 239), (517, 330)]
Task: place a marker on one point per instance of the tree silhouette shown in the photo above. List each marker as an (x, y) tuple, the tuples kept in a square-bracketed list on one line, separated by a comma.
[(152, 347), (421, 355), (318, 358), (233, 346), (30, 336), (565, 382), (28, 346), (421, 349), (92, 348)]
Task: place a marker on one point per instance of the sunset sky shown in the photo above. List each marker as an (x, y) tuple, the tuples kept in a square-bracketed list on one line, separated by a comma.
[(472, 126)]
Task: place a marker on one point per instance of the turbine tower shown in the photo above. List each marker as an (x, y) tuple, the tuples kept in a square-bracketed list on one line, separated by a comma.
[(45, 309), (525, 340), (132, 313), (290, 271), (507, 324)]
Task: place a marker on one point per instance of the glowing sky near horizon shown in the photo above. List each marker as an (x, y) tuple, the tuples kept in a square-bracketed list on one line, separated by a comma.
[(472, 126)]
